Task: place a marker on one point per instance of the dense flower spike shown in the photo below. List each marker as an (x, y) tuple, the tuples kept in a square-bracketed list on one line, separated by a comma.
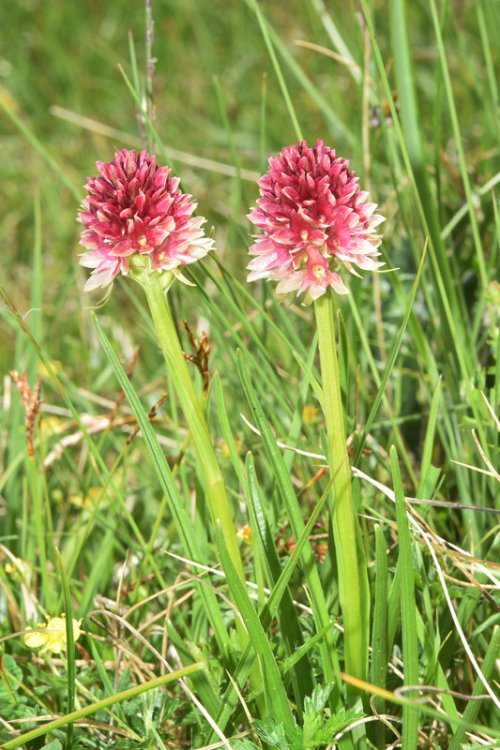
[(135, 215), (315, 219)]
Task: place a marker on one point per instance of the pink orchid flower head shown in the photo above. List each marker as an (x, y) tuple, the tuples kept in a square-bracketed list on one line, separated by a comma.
[(315, 220), (135, 217)]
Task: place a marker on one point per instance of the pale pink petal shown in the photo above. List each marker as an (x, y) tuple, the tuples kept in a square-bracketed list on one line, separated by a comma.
[(338, 285)]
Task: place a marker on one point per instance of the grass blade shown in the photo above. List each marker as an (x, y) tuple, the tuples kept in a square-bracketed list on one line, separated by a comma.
[(287, 493), (391, 360), (110, 700), (378, 672), (408, 605), (423, 708), (277, 700), (459, 146), (39, 148), (277, 69), (70, 647), (473, 706), (289, 622), (167, 482)]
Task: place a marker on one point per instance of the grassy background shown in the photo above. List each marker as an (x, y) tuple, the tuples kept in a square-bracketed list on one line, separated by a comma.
[(431, 163)]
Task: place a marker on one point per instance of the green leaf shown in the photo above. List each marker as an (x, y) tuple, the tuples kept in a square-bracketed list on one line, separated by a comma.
[(245, 744), (8, 686), (287, 493), (167, 482), (278, 736), (70, 646), (408, 605), (274, 690), (319, 726)]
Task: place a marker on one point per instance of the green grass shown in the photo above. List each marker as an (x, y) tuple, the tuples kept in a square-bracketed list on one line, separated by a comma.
[(113, 526)]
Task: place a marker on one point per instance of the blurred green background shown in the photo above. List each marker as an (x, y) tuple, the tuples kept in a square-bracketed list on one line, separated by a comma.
[(64, 104), (217, 97), (66, 55)]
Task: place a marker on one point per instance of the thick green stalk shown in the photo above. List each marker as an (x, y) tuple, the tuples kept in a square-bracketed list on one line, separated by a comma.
[(352, 574), (193, 412)]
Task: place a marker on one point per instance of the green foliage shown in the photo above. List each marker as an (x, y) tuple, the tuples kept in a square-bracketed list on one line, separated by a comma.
[(410, 97), (318, 730), (13, 702), (319, 727)]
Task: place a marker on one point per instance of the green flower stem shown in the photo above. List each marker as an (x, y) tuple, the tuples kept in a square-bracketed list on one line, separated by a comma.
[(352, 574), (125, 695), (193, 412)]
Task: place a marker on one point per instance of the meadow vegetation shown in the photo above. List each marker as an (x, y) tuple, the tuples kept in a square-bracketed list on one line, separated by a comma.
[(104, 516)]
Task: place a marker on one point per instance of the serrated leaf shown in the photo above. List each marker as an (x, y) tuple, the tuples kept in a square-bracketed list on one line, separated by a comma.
[(340, 721), (245, 744), (8, 686), (273, 733), (318, 699), (278, 736), (319, 726)]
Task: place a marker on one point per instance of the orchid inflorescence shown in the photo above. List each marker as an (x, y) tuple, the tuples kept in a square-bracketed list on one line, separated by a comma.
[(315, 219), (135, 216), (314, 222)]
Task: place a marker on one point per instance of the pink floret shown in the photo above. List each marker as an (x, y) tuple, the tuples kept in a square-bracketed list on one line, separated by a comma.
[(315, 220), (135, 208)]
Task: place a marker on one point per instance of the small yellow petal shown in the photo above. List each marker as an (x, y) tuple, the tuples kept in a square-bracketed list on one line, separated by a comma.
[(19, 567), (309, 413), (51, 637), (245, 534), (36, 638)]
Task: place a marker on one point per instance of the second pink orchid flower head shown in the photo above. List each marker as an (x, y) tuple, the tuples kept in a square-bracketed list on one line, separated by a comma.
[(315, 220), (135, 217)]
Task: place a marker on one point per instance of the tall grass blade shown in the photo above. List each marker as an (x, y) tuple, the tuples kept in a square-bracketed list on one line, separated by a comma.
[(408, 605), (70, 647), (38, 146), (277, 69), (329, 658), (473, 706), (391, 360), (380, 656), (167, 482), (276, 697), (289, 622), (110, 700), (459, 145)]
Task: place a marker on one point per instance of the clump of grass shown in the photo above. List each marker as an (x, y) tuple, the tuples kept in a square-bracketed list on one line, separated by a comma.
[(104, 518)]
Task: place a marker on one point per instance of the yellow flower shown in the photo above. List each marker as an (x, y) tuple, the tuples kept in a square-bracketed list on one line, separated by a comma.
[(245, 534), (16, 567), (309, 413), (51, 425), (55, 365), (50, 637), (90, 499)]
